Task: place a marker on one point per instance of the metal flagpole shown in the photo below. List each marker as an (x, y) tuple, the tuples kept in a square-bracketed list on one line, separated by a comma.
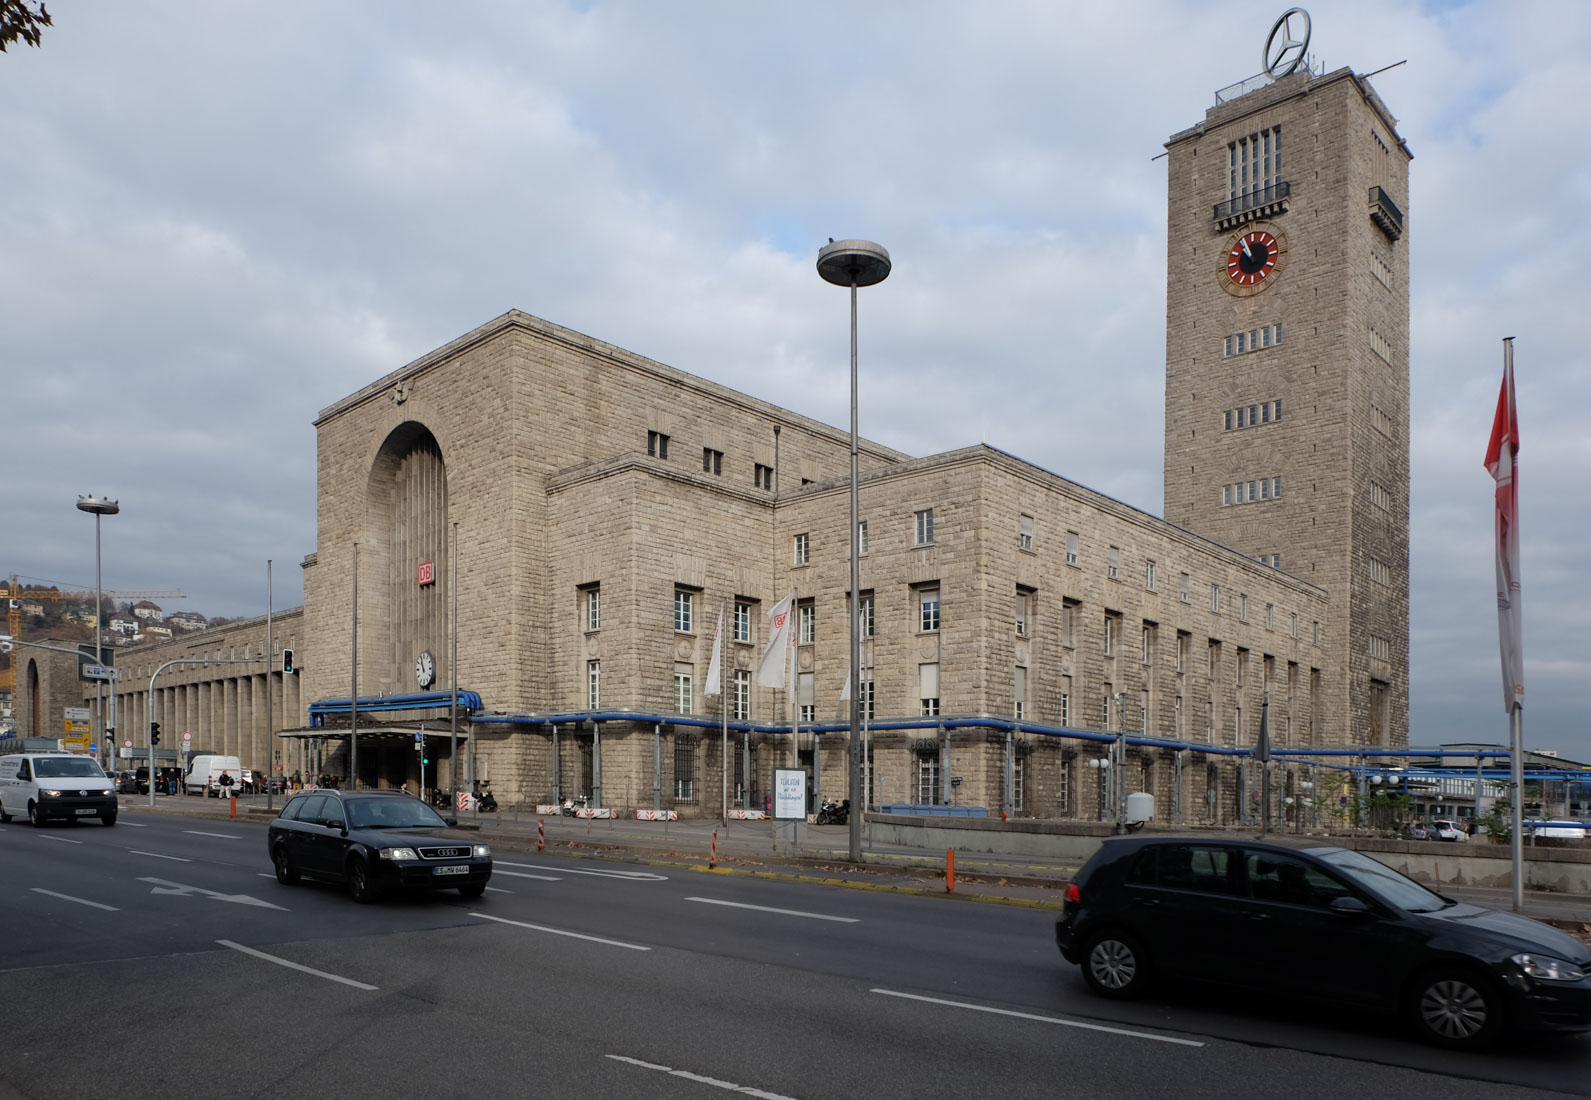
[(270, 658), (453, 671), (723, 707), (353, 690)]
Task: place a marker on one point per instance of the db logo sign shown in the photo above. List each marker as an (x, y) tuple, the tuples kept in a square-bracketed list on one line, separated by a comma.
[(427, 573)]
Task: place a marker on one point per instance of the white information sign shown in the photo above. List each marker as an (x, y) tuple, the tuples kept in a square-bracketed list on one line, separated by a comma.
[(789, 794)]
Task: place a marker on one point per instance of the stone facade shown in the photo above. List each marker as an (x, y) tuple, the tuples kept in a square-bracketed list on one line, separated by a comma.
[(1340, 447)]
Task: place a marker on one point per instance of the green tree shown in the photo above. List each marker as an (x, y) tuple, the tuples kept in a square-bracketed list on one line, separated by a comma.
[(22, 21)]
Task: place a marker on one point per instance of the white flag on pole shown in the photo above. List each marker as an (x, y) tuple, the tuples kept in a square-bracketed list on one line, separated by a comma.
[(715, 668), (771, 672), (1502, 462)]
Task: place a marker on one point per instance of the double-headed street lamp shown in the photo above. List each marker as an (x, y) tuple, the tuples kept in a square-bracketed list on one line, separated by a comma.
[(98, 507), (854, 264)]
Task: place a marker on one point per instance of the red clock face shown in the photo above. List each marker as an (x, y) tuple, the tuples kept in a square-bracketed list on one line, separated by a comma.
[(1253, 258)]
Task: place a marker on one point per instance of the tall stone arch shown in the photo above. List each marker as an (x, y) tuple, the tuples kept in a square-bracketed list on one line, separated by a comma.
[(406, 524)]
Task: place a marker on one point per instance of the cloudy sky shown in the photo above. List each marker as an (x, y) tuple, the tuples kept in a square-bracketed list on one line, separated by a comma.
[(218, 218)]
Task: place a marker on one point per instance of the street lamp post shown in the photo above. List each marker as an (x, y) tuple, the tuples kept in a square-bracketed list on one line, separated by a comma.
[(98, 507), (854, 263)]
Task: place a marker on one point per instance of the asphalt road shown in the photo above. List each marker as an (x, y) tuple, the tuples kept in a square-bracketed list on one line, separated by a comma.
[(161, 957)]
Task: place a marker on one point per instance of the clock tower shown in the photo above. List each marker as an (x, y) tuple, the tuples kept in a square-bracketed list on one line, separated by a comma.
[(1287, 368)]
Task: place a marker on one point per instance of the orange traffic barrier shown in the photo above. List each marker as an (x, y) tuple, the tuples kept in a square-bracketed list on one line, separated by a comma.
[(234, 801), (712, 851), (950, 870)]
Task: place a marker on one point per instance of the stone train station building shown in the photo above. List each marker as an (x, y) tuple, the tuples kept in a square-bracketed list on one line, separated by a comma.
[(592, 513)]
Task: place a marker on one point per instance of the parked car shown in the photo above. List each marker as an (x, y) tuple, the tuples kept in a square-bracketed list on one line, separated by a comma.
[(1419, 830), (1310, 919), (1448, 830), (374, 841)]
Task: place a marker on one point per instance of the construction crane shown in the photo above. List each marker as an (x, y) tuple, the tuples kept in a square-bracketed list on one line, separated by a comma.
[(14, 596)]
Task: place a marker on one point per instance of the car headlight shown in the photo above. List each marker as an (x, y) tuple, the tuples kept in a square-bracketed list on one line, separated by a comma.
[(52, 794), (482, 851), (1548, 969), (398, 853)]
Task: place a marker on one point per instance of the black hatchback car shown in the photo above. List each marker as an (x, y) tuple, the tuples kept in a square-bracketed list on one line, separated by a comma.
[(374, 841), (1322, 921)]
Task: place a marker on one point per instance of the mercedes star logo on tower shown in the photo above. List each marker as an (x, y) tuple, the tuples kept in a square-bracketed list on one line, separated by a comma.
[(1283, 56)]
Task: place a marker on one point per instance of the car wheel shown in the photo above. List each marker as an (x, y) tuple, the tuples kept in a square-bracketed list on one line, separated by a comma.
[(5, 818), (1115, 965), (474, 890), (108, 819), (360, 886), (284, 870), (1455, 1008), (35, 818)]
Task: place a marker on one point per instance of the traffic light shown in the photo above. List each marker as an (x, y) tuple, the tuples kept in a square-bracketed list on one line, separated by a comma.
[(287, 661), (154, 733)]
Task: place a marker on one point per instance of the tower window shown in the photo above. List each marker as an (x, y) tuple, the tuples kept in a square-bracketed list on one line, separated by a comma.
[(762, 476), (925, 527), (712, 461), (657, 444)]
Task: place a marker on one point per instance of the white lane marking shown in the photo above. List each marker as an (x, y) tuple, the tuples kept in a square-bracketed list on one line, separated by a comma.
[(223, 836), (295, 966), (561, 932), (157, 855), (177, 889), (1041, 1019), (80, 901), (135, 825), (771, 909), (62, 839), (497, 869), (627, 876), (499, 890), (728, 1086)]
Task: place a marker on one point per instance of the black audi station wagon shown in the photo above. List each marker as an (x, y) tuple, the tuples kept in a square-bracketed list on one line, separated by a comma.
[(374, 841), (1322, 921)]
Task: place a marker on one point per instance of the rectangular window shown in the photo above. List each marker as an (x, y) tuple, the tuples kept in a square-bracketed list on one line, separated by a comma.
[(593, 685), (1276, 488), (1215, 598), (1018, 767), (593, 609), (683, 700), (1251, 495), (1293, 625), (928, 789), (742, 621), (806, 696), (861, 538), (1240, 418), (1112, 566), (684, 605), (1242, 607), (1104, 709), (1379, 496), (1021, 613), (925, 527), (684, 771), (1270, 616), (1176, 719), (1068, 615), (1242, 341), (1226, 496), (1110, 633), (1182, 651), (1265, 337), (1020, 693), (806, 622), (1214, 657), (1276, 333), (1265, 489), (1182, 589), (865, 693), (928, 689), (1276, 413), (1265, 413), (762, 476), (803, 549), (1149, 575), (928, 610), (1228, 353), (657, 444), (742, 695), (1066, 700), (864, 615), (1380, 648), (1240, 667), (1317, 633), (1228, 419), (1148, 644), (1071, 548), (712, 461), (1024, 533)]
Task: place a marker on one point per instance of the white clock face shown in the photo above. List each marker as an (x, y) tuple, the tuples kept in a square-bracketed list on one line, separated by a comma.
[(425, 670)]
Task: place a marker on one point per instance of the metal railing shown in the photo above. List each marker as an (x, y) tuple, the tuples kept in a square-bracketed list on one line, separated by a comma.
[(1253, 200)]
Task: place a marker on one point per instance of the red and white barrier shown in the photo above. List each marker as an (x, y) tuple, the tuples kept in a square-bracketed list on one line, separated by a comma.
[(547, 809), (595, 811), (747, 815), (541, 835), (657, 815)]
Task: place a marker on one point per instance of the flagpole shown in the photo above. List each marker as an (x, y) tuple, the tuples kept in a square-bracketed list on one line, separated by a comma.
[(723, 707), (1502, 462)]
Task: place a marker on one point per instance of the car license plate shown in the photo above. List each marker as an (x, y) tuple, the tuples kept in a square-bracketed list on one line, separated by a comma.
[(456, 870), (88, 811)]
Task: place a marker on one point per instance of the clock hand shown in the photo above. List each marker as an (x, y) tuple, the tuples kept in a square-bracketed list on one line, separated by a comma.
[(1246, 253)]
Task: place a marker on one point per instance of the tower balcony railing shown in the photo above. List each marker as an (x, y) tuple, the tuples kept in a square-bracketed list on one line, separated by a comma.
[(1261, 202), (1385, 213)]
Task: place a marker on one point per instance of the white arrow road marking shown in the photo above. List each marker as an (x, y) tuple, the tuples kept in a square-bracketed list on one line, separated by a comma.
[(499, 890), (629, 876), (561, 932), (294, 966), (223, 836), (497, 869), (157, 855), (728, 1086), (135, 825), (771, 909), (1040, 1019), (164, 886), (80, 901), (62, 839)]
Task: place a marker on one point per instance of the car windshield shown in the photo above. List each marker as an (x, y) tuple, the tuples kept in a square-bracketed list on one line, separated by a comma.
[(392, 813), (67, 767), (1384, 882)]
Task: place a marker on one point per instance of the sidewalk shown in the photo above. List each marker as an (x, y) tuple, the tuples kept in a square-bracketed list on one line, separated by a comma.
[(814, 854)]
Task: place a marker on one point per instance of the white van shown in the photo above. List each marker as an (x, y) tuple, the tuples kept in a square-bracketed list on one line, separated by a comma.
[(43, 785), (204, 774)]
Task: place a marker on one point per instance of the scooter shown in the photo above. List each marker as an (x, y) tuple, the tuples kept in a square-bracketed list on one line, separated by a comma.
[(834, 813), (572, 805)]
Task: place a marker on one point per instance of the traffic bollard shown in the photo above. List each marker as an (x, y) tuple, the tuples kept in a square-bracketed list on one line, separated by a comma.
[(950, 870), (541, 834), (234, 800), (712, 852)]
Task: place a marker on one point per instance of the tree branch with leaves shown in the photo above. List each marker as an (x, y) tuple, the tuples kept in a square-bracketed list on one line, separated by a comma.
[(22, 21)]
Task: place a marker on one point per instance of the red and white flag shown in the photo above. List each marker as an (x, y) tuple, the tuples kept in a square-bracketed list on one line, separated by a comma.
[(1502, 462), (771, 672), (715, 667)]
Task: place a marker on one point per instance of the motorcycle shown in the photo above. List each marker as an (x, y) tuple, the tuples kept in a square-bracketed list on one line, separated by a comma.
[(572, 805), (486, 802), (834, 813)]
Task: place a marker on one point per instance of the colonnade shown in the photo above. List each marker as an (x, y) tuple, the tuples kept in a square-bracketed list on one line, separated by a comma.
[(225, 714)]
